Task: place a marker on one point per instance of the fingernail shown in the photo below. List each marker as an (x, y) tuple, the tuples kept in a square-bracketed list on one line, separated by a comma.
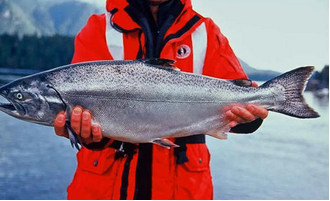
[(95, 129), (232, 124), (251, 108), (77, 111), (236, 109), (60, 118), (86, 116)]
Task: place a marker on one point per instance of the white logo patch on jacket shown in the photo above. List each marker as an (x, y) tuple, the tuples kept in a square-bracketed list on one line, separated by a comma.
[(183, 51)]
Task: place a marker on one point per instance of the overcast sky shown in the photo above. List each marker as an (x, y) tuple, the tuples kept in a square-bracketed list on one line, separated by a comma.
[(272, 34)]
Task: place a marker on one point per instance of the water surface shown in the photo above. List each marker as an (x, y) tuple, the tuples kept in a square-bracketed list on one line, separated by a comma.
[(287, 158)]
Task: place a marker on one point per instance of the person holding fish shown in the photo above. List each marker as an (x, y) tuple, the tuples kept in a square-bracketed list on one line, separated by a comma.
[(146, 29)]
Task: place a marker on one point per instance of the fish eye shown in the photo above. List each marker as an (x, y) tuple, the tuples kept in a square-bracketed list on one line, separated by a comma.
[(19, 96)]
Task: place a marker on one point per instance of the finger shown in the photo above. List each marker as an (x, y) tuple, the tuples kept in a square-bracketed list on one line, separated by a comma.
[(86, 124), (243, 113), (97, 133), (233, 117), (254, 84), (86, 140), (232, 124), (257, 111), (59, 125), (76, 119)]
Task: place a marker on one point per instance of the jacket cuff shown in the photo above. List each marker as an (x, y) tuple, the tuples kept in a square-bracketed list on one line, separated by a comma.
[(105, 142), (247, 127)]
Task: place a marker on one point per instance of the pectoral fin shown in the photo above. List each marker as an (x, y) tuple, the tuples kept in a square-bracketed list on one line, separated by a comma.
[(164, 143), (72, 136)]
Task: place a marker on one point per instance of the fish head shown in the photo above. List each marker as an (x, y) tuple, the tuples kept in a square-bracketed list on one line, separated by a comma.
[(31, 100)]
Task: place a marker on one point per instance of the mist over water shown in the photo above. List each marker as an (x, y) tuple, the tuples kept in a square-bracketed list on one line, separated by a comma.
[(287, 158)]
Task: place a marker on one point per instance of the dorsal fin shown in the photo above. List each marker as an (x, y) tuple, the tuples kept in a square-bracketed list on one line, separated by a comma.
[(168, 63)]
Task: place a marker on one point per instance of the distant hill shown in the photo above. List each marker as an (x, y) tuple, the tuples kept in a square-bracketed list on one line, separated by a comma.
[(256, 74), (43, 17), (319, 80)]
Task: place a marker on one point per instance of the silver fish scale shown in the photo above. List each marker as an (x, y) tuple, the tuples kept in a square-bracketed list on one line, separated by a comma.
[(140, 81), (126, 99), (134, 101)]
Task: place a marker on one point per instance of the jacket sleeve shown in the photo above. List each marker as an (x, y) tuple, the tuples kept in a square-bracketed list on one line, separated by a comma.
[(220, 59), (90, 43), (221, 62)]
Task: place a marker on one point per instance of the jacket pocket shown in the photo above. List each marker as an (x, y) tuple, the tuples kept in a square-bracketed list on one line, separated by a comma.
[(198, 157), (98, 162), (94, 178), (193, 178)]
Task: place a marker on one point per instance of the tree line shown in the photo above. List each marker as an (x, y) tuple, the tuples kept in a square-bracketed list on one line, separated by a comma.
[(34, 52), (46, 52), (319, 80)]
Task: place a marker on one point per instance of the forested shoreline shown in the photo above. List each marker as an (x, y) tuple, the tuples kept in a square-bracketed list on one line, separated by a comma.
[(42, 53), (33, 52)]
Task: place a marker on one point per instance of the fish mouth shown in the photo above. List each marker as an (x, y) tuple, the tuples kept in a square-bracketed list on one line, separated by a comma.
[(7, 107), (16, 110)]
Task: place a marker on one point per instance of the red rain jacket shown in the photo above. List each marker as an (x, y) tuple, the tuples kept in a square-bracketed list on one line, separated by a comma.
[(151, 171)]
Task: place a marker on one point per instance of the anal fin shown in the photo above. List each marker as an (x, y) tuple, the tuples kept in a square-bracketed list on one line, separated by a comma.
[(164, 143), (220, 133)]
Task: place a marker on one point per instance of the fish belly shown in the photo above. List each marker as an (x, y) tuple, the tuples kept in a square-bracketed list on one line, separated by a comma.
[(137, 121)]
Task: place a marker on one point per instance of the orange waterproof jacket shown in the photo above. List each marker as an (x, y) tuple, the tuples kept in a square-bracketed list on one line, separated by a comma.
[(147, 171)]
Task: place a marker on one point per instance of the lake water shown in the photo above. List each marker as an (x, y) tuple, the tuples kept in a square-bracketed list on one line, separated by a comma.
[(287, 158)]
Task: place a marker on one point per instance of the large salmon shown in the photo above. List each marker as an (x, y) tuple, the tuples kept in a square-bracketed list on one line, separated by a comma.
[(148, 100)]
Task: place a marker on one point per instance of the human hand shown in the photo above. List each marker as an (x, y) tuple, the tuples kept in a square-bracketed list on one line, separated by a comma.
[(239, 114), (81, 123)]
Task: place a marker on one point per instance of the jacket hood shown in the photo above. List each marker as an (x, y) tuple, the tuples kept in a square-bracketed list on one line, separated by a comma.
[(124, 21), (120, 4), (176, 18)]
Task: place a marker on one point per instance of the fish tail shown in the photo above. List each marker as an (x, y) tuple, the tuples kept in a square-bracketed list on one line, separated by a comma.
[(293, 83)]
